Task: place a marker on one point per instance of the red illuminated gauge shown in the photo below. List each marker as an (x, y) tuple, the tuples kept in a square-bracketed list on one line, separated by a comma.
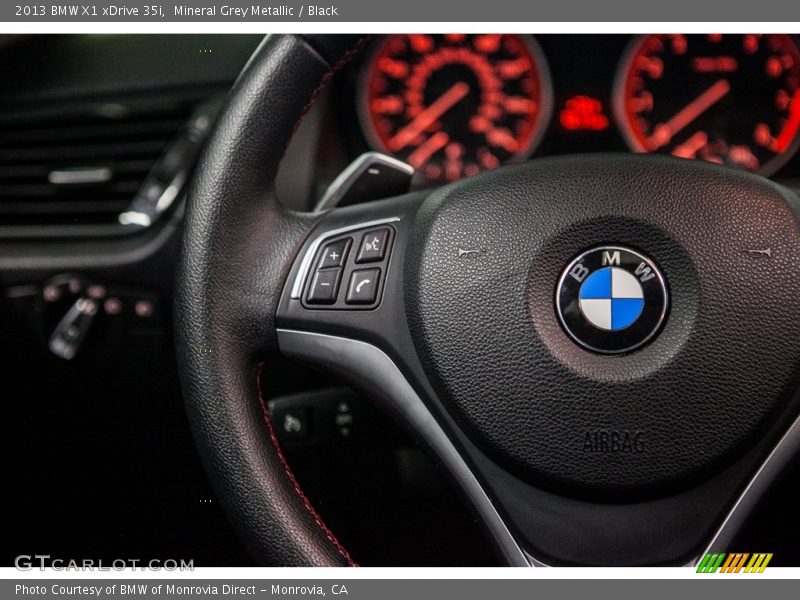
[(454, 105), (727, 99)]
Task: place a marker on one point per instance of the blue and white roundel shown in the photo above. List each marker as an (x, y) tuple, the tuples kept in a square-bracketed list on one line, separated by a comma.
[(611, 299)]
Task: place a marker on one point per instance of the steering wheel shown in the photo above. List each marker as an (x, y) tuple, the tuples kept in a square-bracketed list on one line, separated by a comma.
[(602, 351)]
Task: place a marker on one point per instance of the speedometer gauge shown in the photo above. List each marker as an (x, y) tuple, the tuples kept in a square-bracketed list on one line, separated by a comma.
[(454, 105), (728, 99)]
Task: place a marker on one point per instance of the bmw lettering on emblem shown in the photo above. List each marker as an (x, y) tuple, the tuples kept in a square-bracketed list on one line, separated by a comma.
[(611, 299)]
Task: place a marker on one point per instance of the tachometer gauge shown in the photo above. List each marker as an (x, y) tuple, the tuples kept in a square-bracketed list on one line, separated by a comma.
[(454, 105), (728, 99)]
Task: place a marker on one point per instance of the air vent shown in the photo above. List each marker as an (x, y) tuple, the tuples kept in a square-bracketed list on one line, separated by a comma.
[(77, 167)]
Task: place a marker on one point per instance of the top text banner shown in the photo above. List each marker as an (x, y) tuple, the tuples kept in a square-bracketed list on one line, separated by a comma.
[(386, 11)]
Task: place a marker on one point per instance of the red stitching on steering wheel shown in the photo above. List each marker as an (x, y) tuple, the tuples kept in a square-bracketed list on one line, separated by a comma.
[(293, 480)]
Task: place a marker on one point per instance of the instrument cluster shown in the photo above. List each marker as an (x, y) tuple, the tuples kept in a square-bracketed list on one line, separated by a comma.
[(453, 105)]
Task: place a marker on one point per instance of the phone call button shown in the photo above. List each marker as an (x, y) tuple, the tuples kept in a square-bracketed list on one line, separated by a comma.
[(363, 288)]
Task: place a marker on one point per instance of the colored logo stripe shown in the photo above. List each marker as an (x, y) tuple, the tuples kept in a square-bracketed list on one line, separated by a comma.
[(711, 563), (733, 563), (758, 563)]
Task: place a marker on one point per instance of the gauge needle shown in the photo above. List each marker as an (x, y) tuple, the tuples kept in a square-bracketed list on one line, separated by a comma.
[(664, 132), (692, 146), (784, 140), (428, 148), (428, 116)]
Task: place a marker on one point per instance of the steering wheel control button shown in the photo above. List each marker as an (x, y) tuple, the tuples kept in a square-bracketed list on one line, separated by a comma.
[(332, 263), (611, 299), (363, 287), (373, 246), (325, 286), (334, 254)]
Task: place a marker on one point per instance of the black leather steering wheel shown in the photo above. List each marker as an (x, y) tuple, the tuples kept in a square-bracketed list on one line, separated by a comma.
[(458, 334)]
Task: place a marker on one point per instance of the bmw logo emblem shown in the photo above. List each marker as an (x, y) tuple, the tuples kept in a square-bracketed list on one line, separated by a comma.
[(611, 299)]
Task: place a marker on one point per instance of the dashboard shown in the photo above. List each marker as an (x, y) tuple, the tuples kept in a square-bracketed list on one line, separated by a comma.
[(95, 130), (454, 105)]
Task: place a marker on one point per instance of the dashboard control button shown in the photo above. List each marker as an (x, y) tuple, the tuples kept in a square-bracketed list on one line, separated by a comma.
[(325, 286), (373, 246), (293, 423), (363, 287), (335, 253), (71, 331)]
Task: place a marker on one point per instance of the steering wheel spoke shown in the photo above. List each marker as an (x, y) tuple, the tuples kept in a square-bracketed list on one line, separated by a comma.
[(361, 334)]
